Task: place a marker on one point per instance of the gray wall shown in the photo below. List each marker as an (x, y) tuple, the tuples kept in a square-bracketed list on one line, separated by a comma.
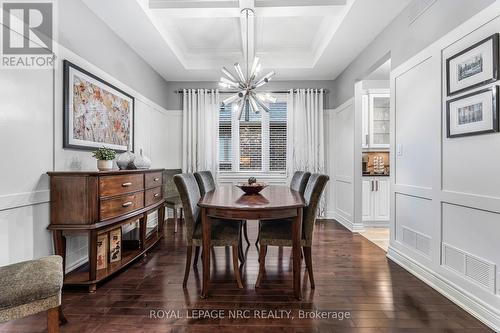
[(175, 100), (401, 41), (82, 32)]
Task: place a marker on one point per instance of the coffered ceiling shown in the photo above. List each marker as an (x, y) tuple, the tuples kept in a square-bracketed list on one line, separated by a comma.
[(299, 39)]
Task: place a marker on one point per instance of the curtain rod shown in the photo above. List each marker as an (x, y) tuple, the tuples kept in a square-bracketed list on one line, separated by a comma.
[(180, 91)]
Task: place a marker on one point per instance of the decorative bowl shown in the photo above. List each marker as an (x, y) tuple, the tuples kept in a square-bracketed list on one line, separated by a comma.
[(254, 188)]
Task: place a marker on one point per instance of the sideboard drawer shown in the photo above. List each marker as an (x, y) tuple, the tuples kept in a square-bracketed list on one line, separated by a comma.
[(116, 185), (121, 205), (153, 195), (153, 179)]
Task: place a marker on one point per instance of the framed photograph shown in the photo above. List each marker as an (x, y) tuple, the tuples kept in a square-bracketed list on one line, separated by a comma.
[(96, 113), (102, 251), (473, 114), (115, 245), (473, 67)]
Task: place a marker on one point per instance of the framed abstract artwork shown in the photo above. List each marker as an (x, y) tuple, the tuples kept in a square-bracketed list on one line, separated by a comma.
[(473, 114), (473, 67), (96, 113)]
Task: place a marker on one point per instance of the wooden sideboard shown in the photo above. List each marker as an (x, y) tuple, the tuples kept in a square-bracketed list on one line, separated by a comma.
[(97, 203)]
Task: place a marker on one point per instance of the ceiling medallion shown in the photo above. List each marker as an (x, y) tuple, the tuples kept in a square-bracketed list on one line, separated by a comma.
[(247, 98)]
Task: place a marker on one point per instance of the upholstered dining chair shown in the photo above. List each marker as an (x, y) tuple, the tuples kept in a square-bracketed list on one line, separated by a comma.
[(279, 232), (224, 233), (298, 183), (206, 182), (172, 198)]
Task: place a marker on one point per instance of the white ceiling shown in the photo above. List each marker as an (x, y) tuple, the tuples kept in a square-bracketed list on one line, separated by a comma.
[(190, 40)]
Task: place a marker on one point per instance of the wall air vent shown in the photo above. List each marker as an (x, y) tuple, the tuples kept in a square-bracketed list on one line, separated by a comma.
[(417, 241), (473, 268), (417, 8)]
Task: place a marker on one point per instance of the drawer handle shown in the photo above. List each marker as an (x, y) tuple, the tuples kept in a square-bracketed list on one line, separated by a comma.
[(156, 179), (126, 184), (126, 204), (157, 195)]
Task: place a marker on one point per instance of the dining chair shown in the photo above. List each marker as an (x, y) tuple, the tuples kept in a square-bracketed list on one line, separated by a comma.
[(298, 183), (279, 232), (171, 195), (223, 233), (206, 183)]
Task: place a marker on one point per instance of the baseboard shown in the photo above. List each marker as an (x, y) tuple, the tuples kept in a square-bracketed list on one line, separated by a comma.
[(352, 227), (486, 314), (376, 224)]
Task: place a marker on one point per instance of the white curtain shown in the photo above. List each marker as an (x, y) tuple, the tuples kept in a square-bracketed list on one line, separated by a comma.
[(305, 148), (200, 130)]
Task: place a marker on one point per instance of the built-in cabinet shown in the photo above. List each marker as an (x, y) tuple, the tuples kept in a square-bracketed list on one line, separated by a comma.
[(376, 199), (376, 120)]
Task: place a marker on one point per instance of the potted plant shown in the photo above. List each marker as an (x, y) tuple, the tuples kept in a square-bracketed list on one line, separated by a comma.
[(105, 157)]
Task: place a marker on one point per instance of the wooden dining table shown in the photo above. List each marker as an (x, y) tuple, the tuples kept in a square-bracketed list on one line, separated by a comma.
[(273, 203)]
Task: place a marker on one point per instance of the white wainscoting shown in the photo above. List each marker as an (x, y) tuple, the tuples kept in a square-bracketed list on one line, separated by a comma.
[(445, 192), (339, 148)]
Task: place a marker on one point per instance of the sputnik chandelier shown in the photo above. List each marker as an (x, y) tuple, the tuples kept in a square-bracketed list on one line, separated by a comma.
[(247, 98)]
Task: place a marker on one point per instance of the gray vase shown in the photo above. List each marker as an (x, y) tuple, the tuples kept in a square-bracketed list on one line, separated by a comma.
[(125, 160), (142, 162)]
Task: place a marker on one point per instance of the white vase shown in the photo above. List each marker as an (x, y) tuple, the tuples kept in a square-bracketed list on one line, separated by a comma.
[(125, 160), (103, 165), (142, 162)]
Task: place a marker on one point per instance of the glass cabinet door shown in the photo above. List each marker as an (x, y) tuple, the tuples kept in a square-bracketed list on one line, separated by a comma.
[(380, 120)]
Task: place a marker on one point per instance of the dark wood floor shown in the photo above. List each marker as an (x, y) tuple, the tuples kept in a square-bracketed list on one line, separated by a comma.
[(352, 276)]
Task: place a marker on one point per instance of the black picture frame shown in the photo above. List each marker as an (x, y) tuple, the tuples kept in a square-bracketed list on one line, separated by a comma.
[(496, 68), (495, 109), (67, 65)]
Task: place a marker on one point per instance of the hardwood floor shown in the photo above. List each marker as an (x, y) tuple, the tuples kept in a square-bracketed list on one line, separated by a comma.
[(352, 275)]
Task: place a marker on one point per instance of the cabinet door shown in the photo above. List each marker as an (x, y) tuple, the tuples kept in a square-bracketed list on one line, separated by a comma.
[(382, 197), (365, 131), (379, 121), (367, 204)]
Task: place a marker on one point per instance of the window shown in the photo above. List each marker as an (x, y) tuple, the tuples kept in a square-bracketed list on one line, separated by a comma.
[(257, 145)]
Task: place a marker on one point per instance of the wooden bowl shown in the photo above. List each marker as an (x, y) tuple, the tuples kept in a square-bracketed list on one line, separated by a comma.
[(255, 188)]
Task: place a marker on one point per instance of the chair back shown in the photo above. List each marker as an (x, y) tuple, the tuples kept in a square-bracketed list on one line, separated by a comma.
[(299, 181), (169, 189), (312, 196), (190, 196), (205, 181)]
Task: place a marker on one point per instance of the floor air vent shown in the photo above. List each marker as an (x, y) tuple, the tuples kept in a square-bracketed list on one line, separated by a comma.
[(473, 268), (417, 241)]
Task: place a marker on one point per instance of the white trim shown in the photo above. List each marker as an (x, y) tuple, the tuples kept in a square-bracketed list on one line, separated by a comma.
[(473, 305), (352, 227), (17, 200)]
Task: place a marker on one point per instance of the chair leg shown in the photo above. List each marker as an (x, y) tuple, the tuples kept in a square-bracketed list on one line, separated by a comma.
[(188, 265), (262, 264), (53, 320), (308, 259), (236, 267), (258, 236), (245, 232), (175, 219), (62, 318), (240, 252), (196, 255)]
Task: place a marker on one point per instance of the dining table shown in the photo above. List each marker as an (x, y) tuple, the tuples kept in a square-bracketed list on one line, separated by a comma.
[(275, 202)]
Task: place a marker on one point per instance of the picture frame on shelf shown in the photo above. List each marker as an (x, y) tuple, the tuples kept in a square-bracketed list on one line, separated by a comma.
[(96, 113), (102, 251), (473, 67), (473, 114), (115, 245)]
